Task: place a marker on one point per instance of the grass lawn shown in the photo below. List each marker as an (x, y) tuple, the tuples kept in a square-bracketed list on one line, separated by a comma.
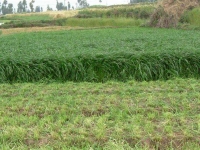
[(113, 115)]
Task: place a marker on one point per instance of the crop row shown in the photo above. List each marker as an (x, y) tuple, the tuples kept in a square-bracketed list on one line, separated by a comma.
[(101, 68), (100, 55)]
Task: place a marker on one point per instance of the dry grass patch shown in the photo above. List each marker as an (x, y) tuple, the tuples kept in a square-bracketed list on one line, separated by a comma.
[(36, 29), (169, 12), (53, 14), (62, 14)]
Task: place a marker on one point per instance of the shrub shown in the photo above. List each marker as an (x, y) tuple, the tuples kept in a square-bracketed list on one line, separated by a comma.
[(191, 17)]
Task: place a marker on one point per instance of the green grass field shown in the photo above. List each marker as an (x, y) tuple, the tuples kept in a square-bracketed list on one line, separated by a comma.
[(112, 115), (100, 55), (113, 88)]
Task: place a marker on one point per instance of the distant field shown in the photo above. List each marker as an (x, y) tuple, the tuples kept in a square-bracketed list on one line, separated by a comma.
[(40, 16), (100, 55), (113, 115)]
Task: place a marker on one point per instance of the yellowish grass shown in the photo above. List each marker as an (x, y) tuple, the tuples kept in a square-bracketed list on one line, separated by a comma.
[(53, 14), (177, 7), (62, 14), (37, 29), (138, 5), (169, 12)]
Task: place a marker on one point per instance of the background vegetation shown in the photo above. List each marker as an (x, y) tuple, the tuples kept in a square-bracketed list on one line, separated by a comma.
[(132, 11)]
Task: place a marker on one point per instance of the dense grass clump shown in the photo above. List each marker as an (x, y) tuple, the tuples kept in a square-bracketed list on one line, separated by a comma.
[(100, 55)]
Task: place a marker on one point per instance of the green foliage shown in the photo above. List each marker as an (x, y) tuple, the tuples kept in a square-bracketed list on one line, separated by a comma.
[(83, 3), (0, 32), (142, 12), (100, 55), (60, 6), (20, 7), (6, 8), (38, 9), (31, 5), (191, 17), (109, 116)]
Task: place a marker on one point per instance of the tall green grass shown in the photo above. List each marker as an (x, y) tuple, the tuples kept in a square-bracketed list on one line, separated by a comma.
[(103, 22), (100, 55), (100, 68)]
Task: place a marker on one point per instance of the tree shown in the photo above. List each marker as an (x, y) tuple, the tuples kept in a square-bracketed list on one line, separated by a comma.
[(69, 6), (41, 9), (10, 8), (31, 5), (5, 2), (20, 7), (83, 3), (24, 3), (49, 8), (7, 8), (60, 6), (37, 9)]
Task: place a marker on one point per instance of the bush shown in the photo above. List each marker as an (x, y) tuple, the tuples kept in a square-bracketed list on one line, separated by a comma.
[(192, 17)]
